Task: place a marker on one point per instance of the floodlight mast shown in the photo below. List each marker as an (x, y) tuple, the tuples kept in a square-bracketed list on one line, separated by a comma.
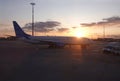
[(32, 18)]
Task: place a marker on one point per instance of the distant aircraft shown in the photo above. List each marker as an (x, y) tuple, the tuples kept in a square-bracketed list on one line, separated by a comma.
[(52, 41)]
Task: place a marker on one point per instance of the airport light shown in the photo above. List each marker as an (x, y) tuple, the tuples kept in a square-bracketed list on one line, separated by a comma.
[(32, 18)]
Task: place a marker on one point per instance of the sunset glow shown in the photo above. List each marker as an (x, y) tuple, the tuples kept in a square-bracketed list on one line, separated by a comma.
[(80, 18), (79, 34)]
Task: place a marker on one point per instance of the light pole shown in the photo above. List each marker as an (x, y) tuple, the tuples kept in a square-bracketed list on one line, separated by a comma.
[(32, 18), (104, 32)]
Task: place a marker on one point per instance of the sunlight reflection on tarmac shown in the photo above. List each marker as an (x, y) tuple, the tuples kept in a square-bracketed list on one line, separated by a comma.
[(26, 62)]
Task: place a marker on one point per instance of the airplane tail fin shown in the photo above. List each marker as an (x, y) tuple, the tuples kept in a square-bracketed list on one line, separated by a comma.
[(18, 31)]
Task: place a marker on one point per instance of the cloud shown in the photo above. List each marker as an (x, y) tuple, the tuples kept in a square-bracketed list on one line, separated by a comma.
[(43, 26), (112, 19), (115, 20), (101, 23), (88, 24), (74, 27), (63, 29)]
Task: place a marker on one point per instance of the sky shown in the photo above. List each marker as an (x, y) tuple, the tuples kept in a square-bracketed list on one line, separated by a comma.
[(61, 17)]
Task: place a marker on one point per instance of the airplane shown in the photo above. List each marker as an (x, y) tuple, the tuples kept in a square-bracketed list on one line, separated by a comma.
[(52, 41)]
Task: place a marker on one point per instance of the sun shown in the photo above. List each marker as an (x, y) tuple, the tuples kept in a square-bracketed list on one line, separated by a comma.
[(79, 34)]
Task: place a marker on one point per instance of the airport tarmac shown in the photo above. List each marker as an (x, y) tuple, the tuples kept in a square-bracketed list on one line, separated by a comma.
[(22, 61)]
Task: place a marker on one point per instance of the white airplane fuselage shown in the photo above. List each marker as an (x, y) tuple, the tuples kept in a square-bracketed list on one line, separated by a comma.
[(53, 41)]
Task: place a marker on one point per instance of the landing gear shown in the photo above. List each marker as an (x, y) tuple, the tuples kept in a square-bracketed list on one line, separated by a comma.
[(55, 46), (83, 46)]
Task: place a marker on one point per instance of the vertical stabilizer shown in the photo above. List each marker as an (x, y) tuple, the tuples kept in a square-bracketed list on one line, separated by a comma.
[(18, 31)]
